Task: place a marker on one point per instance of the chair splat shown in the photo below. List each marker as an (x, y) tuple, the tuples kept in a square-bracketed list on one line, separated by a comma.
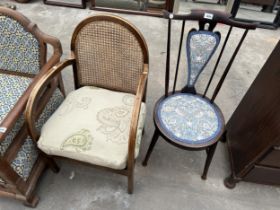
[(200, 46)]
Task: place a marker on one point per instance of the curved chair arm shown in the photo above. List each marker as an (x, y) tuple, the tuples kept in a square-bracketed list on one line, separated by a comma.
[(31, 107), (135, 117), (57, 52)]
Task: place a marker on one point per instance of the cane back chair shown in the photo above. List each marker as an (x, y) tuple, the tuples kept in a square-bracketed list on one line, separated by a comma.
[(23, 61), (185, 118), (101, 122)]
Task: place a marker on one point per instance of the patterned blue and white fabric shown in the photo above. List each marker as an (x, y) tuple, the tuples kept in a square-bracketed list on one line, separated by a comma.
[(25, 159), (189, 118), (19, 49), (201, 45), (4, 145), (11, 89), (28, 154)]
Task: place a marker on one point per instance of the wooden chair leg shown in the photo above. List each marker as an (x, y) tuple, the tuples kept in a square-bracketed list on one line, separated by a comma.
[(210, 155), (151, 147), (130, 180), (224, 137), (143, 132), (52, 164), (31, 201)]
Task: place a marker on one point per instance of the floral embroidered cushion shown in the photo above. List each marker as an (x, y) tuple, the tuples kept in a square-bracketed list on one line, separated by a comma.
[(92, 125)]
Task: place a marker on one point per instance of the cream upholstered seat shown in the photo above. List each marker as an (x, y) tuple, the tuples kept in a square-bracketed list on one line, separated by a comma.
[(92, 125)]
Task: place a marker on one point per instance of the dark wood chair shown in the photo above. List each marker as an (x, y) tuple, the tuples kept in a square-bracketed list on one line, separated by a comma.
[(185, 118), (101, 122), (23, 61)]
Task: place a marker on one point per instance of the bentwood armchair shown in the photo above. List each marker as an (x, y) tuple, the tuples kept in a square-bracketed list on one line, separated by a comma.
[(101, 122), (23, 61)]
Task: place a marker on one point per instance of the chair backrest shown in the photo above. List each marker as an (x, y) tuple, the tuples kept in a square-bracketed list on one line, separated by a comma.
[(109, 52), (21, 48), (201, 44)]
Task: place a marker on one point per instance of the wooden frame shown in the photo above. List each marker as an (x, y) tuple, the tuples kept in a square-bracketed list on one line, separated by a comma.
[(22, 1), (156, 13), (261, 24), (15, 186), (55, 3), (202, 19), (253, 138), (140, 93)]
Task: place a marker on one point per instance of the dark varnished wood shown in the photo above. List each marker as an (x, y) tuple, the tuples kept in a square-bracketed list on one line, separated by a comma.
[(253, 132), (203, 17), (151, 147), (220, 17)]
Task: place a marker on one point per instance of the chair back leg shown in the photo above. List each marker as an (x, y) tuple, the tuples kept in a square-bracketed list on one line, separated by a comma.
[(130, 180), (210, 153), (151, 147), (31, 201)]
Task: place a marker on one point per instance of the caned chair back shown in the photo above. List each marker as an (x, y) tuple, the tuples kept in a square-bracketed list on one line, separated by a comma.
[(110, 53)]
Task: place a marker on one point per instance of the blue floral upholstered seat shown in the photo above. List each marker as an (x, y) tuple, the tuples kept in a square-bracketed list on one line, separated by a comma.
[(189, 118)]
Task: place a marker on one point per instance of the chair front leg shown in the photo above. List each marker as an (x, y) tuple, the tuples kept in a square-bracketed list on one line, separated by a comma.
[(210, 154), (31, 201), (130, 179), (50, 163), (151, 147), (224, 137)]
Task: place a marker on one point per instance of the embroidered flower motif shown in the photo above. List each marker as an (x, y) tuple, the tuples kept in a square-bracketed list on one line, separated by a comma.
[(115, 121), (75, 103), (80, 141)]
